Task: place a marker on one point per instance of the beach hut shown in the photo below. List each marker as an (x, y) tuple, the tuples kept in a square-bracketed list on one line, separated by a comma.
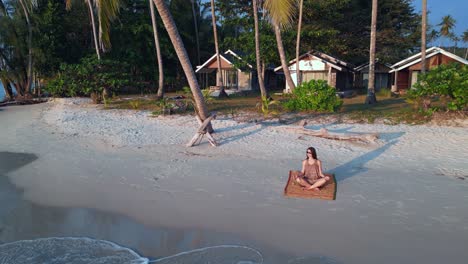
[(405, 73), (315, 65), (382, 77), (233, 78)]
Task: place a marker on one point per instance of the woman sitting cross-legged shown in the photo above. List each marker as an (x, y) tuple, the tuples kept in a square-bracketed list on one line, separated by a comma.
[(311, 177)]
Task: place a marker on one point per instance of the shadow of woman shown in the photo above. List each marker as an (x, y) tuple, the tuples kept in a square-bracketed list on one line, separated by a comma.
[(356, 165)]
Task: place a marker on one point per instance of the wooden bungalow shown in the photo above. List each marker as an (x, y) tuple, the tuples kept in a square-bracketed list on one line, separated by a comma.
[(405, 73), (315, 65), (382, 77)]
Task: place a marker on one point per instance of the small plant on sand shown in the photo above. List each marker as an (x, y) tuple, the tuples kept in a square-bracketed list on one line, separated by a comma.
[(134, 104), (265, 106), (315, 95), (384, 93)]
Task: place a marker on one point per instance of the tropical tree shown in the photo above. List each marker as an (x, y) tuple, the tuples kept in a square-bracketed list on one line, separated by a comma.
[(181, 52), (446, 26), (107, 11), (281, 14), (195, 24), (370, 99), (27, 10), (423, 36), (258, 59), (298, 42), (464, 37), (219, 81), (160, 92)]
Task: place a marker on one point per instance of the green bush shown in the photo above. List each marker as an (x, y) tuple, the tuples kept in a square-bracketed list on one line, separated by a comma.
[(89, 77), (315, 95), (446, 83)]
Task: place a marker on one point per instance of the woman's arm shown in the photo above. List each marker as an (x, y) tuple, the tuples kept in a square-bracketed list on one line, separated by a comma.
[(320, 168), (303, 168)]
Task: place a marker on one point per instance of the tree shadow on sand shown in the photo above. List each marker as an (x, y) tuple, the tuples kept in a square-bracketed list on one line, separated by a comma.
[(226, 140), (356, 165), (10, 161)]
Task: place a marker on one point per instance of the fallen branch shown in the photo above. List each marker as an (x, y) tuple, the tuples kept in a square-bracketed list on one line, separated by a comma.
[(324, 133)]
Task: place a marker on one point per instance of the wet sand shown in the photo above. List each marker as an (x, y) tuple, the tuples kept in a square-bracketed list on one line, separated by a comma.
[(393, 205)]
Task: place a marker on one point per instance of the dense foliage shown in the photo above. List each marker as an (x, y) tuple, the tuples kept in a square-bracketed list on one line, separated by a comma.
[(88, 78), (315, 95), (446, 83)]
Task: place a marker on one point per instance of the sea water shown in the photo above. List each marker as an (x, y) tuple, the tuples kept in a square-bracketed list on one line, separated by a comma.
[(81, 250)]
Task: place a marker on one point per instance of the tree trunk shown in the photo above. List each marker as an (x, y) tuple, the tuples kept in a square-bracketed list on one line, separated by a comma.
[(423, 36), (284, 63), (261, 82), (466, 53), (219, 82), (26, 14), (370, 99), (93, 26), (160, 92), (298, 44), (195, 23), (173, 33)]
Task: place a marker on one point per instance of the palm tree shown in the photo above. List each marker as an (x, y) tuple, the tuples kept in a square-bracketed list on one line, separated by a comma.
[(219, 81), (27, 10), (464, 37), (68, 5), (298, 42), (423, 36), (263, 91), (446, 26), (370, 99), (160, 92), (195, 24), (107, 11), (181, 52), (281, 13)]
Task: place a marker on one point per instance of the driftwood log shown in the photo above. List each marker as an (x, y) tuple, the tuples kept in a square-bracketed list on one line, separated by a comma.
[(324, 133), (202, 131)]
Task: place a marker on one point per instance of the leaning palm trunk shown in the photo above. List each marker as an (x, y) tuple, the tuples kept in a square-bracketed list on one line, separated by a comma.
[(263, 91), (284, 64), (298, 44), (173, 33), (219, 81), (160, 93), (423, 36), (26, 14), (93, 26), (370, 99)]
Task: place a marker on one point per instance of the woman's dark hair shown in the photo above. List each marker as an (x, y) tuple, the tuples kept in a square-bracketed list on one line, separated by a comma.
[(314, 153)]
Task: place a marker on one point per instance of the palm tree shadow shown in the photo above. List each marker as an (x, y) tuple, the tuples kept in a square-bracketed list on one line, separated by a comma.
[(356, 165), (10, 161), (227, 140)]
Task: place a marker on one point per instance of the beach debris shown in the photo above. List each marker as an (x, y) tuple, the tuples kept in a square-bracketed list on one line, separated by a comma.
[(202, 131), (324, 133)]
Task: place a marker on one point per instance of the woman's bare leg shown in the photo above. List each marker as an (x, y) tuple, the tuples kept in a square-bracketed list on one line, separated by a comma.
[(303, 183), (318, 183)]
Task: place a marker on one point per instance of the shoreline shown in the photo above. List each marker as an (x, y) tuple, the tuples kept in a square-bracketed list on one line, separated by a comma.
[(390, 193)]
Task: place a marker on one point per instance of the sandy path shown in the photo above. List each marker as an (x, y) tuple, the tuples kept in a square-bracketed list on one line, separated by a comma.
[(401, 200)]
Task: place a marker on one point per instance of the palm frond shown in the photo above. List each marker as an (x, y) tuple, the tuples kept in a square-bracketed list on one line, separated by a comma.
[(281, 12), (107, 11)]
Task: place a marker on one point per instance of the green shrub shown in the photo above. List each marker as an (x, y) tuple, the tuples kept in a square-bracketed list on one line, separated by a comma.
[(314, 95), (90, 77), (447, 84)]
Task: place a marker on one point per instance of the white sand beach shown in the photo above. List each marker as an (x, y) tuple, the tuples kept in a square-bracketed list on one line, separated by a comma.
[(402, 199)]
